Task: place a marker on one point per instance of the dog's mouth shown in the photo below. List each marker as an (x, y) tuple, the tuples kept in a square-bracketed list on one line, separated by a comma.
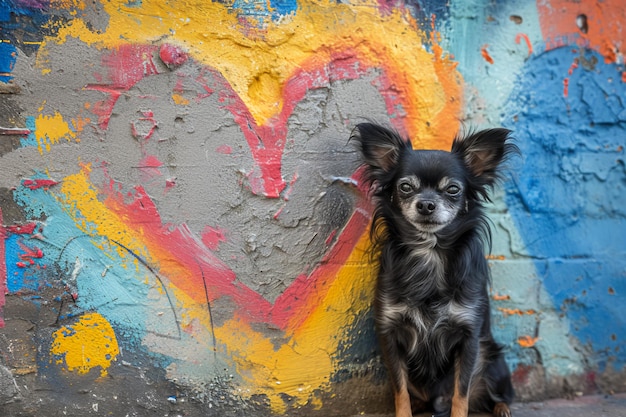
[(429, 226)]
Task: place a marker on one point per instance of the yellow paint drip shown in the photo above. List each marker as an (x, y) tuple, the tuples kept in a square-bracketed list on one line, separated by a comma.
[(50, 130), (87, 344)]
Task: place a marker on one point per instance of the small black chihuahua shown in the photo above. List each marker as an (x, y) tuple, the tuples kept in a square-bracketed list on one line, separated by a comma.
[(432, 305)]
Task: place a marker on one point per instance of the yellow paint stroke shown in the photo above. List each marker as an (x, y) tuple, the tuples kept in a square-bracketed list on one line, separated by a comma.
[(306, 362), (258, 63), (86, 344), (50, 130), (93, 218)]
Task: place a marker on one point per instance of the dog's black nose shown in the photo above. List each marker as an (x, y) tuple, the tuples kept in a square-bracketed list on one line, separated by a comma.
[(426, 207)]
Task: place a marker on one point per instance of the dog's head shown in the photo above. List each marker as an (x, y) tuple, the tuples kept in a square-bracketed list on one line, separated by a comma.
[(430, 190)]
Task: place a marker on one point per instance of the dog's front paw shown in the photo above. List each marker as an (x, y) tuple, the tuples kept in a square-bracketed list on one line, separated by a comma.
[(501, 410), (442, 406)]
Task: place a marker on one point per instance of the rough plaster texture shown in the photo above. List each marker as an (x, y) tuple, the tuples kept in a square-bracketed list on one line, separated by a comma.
[(184, 231)]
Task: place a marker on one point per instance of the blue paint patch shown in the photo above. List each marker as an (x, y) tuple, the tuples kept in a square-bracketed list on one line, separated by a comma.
[(8, 56), (283, 7), (24, 274), (569, 198)]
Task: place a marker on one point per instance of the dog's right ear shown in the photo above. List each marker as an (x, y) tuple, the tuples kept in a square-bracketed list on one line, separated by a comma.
[(379, 146)]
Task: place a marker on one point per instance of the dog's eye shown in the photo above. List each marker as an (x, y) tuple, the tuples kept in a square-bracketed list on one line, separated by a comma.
[(453, 189), (405, 187)]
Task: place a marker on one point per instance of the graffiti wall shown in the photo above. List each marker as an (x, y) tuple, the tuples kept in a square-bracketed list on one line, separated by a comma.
[(183, 221)]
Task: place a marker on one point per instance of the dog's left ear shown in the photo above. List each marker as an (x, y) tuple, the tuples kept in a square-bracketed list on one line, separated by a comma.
[(379, 146), (484, 151)]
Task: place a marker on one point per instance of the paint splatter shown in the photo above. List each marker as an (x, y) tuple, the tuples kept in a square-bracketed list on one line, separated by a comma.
[(89, 343), (485, 54), (50, 129), (518, 39), (39, 183), (527, 341)]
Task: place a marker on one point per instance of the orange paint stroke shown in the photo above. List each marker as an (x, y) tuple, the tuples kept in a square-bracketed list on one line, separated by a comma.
[(516, 311), (518, 39), (485, 54), (500, 297), (527, 341), (450, 81)]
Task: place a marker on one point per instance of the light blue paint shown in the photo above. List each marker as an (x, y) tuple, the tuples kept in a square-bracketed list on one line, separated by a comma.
[(477, 23), (126, 292), (29, 140), (569, 198)]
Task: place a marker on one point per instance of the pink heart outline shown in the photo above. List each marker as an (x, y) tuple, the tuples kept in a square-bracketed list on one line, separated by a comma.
[(266, 143)]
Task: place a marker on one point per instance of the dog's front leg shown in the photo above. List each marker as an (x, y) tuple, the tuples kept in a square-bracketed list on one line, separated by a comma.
[(402, 399), (464, 367), (403, 403), (399, 375)]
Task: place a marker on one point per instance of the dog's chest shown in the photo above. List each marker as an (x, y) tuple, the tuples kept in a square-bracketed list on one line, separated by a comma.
[(429, 324)]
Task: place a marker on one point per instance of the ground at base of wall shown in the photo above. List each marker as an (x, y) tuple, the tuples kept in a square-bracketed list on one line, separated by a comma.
[(586, 406)]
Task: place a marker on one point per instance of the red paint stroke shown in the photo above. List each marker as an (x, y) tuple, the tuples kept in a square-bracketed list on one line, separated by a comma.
[(3, 269), (21, 229), (267, 142), (213, 236), (518, 39), (287, 193), (182, 251), (572, 67), (205, 86), (570, 71), (485, 54), (16, 131), (172, 55), (331, 237), (39, 183), (278, 213), (29, 255), (125, 66)]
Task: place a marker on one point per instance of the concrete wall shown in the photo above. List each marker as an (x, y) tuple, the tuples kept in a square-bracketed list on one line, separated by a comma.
[(184, 230)]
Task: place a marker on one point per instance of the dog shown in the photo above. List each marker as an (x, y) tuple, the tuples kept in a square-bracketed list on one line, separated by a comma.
[(431, 306)]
